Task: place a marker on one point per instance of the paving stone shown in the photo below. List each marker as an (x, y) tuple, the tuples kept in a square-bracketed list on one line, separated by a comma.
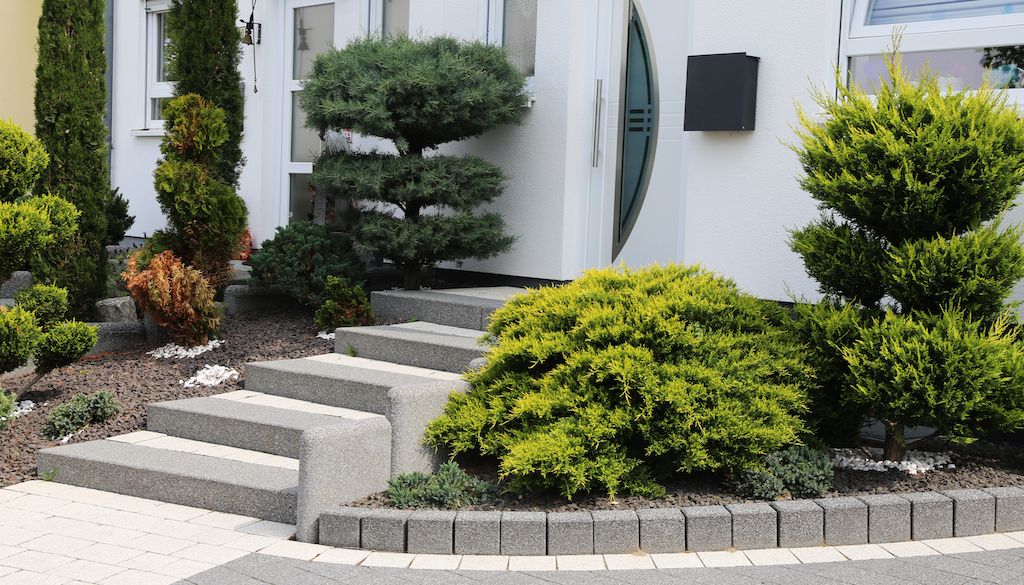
[(524, 533), (570, 533), (430, 532), (931, 515), (708, 528), (478, 533), (801, 523), (383, 530), (888, 518), (616, 531), (662, 530), (974, 512), (846, 521), (1009, 508), (754, 526)]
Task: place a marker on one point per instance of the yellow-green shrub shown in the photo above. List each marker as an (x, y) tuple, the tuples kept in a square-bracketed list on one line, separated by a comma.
[(626, 377), (22, 160)]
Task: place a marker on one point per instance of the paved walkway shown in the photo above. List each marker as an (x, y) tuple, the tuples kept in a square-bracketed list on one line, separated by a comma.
[(52, 533)]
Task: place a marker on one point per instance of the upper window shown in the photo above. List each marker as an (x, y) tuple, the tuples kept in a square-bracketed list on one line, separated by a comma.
[(396, 18), (513, 25), (905, 11), (159, 88)]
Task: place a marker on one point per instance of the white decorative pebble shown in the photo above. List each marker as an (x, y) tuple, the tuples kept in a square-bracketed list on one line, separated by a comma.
[(173, 350), (915, 462), (211, 376), (326, 335)]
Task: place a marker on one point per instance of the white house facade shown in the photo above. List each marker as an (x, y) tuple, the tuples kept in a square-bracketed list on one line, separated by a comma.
[(616, 159)]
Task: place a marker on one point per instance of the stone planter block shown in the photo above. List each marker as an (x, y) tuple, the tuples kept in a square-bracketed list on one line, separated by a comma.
[(117, 310), (1009, 508), (570, 533), (888, 518), (708, 528), (801, 523), (931, 515), (754, 526), (478, 533), (974, 512), (383, 529), (662, 530), (616, 531), (846, 521), (430, 532), (19, 280), (341, 527), (524, 533)]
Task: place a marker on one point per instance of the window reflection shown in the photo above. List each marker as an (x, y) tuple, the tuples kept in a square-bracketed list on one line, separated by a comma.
[(957, 69)]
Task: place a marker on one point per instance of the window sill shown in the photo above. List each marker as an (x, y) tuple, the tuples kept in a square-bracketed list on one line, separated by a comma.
[(149, 132)]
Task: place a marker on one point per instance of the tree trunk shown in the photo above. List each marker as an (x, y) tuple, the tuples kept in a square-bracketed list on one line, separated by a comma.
[(895, 446), (19, 393)]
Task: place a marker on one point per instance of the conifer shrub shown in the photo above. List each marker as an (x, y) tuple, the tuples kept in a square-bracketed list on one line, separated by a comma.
[(22, 161), (419, 94), (798, 471), (302, 256), (24, 228), (79, 412), (206, 216), (7, 401), (48, 303), (345, 305), (119, 221), (449, 488), (70, 103), (19, 334), (911, 183), (175, 296), (624, 378), (62, 344)]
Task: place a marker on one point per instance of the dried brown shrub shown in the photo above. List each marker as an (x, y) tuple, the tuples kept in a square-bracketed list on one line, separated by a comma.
[(175, 296)]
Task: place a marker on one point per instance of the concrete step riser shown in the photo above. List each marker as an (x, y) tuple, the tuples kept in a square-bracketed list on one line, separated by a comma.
[(243, 434), (468, 308), (278, 506), (352, 394), (404, 351)]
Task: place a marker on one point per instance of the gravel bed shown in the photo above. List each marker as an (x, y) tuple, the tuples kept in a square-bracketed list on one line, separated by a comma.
[(136, 379), (981, 465)]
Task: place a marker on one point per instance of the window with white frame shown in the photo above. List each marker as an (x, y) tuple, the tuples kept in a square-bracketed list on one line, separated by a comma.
[(159, 88), (395, 18), (965, 42), (513, 25)]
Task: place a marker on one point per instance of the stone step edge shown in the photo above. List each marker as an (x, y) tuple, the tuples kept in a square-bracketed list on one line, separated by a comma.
[(872, 519)]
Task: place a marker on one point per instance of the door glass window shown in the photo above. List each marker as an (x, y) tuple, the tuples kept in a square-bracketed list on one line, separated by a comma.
[(314, 34), (396, 18), (300, 198), (519, 34)]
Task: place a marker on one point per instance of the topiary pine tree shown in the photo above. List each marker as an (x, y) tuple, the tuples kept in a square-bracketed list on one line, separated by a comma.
[(911, 256), (70, 102), (419, 94), (204, 57)]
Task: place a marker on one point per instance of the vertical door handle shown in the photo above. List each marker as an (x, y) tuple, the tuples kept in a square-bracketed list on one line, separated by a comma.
[(595, 156)]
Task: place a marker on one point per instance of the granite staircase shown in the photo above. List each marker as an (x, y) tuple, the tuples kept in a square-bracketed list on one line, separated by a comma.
[(304, 434)]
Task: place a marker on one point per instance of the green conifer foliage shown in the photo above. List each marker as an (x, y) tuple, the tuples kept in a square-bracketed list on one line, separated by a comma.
[(204, 56), (419, 94), (912, 258), (70, 101)]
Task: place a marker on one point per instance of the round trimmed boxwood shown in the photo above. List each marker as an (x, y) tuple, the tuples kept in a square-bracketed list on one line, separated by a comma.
[(624, 378), (22, 160)]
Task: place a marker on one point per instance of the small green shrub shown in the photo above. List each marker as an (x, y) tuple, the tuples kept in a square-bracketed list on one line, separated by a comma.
[(626, 377), (800, 471), (344, 305), (300, 259), (78, 413), (7, 401), (118, 219), (63, 344), (449, 488), (22, 160), (19, 335), (24, 228), (48, 303)]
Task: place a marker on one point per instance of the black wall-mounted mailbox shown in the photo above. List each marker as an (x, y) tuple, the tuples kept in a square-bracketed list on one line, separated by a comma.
[(721, 91)]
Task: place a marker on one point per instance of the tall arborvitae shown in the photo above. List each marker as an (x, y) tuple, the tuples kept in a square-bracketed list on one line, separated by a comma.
[(205, 51), (70, 103)]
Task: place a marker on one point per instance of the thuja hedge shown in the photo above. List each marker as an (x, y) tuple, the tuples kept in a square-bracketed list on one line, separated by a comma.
[(624, 378)]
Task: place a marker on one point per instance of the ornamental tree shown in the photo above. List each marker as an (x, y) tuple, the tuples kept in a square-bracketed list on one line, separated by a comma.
[(419, 94), (70, 103), (911, 257)]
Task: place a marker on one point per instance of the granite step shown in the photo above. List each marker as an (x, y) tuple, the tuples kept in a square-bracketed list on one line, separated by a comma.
[(469, 308), (419, 343)]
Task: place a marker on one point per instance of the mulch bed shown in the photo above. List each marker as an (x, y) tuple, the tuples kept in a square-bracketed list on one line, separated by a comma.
[(978, 466), (136, 379)]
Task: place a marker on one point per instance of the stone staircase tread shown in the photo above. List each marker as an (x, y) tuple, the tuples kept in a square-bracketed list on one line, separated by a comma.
[(346, 367), (167, 442), (406, 332), (282, 403), (437, 329)]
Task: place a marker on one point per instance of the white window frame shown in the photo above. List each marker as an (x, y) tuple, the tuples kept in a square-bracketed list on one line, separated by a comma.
[(155, 89), (495, 28), (860, 39)]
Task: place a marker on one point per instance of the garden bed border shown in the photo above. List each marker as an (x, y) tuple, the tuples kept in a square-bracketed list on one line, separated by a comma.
[(836, 521)]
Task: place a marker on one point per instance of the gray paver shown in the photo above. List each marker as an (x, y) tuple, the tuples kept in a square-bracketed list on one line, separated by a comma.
[(340, 527), (931, 515), (383, 529), (430, 531), (888, 518), (524, 533), (974, 512), (570, 533), (708, 528), (801, 523), (662, 530), (478, 533), (754, 526), (616, 531), (846, 520), (1009, 508)]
